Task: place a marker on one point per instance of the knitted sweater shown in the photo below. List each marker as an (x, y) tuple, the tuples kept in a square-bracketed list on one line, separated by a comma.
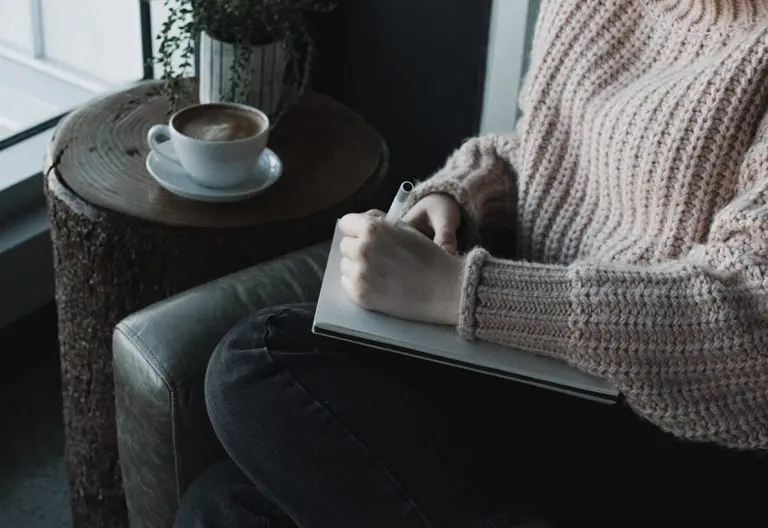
[(637, 179)]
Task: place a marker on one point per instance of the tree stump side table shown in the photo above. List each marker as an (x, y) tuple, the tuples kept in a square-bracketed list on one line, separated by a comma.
[(121, 243)]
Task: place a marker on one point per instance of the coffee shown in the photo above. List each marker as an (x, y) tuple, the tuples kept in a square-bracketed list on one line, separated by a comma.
[(218, 123)]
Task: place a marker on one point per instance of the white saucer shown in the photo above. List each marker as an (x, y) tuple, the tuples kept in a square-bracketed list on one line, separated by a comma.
[(172, 177)]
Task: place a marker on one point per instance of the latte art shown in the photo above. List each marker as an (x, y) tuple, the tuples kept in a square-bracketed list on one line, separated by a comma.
[(218, 123)]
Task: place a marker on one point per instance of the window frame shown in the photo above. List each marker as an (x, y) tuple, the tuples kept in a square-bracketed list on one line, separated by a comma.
[(509, 40), (145, 22)]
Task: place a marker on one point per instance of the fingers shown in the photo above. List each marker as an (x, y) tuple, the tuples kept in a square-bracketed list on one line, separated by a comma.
[(348, 285), (359, 229), (449, 248), (351, 248), (414, 214), (445, 235), (417, 219), (354, 224), (352, 284), (434, 221), (360, 224), (349, 269)]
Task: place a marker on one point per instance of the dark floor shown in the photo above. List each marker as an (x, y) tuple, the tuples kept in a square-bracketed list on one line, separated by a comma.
[(33, 489)]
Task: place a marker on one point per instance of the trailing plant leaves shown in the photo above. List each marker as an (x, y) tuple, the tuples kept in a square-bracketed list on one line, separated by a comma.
[(243, 23)]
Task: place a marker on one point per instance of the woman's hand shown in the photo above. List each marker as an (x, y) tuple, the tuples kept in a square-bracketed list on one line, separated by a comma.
[(438, 216), (398, 271)]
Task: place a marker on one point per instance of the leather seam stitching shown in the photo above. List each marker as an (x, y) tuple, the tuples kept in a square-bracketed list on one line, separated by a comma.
[(141, 347)]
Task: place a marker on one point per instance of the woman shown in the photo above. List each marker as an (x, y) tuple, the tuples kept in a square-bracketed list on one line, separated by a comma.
[(637, 179)]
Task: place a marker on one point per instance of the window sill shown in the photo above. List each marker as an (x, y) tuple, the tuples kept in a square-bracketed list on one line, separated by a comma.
[(20, 175), (21, 229), (26, 263), (30, 95), (26, 257)]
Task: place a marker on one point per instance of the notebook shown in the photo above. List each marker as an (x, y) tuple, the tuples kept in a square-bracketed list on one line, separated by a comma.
[(337, 317)]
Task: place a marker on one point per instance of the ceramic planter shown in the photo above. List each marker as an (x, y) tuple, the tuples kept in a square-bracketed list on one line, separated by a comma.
[(268, 63)]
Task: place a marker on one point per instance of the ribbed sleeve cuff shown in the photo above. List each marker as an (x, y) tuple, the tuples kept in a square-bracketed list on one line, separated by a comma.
[(473, 262), (518, 304)]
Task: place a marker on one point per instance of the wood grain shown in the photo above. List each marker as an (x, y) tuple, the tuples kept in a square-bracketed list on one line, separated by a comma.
[(99, 152)]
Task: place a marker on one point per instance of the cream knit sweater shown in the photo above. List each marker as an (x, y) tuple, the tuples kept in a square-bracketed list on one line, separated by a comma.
[(638, 182)]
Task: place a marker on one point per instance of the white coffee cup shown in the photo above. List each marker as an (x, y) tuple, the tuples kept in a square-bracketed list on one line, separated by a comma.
[(218, 144)]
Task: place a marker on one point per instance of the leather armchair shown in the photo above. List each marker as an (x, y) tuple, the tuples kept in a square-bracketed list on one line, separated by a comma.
[(160, 355)]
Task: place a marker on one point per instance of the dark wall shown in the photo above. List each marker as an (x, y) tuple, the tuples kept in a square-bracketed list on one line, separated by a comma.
[(414, 69)]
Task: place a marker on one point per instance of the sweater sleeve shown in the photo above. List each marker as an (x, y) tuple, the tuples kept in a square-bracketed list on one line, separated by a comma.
[(478, 176), (685, 341)]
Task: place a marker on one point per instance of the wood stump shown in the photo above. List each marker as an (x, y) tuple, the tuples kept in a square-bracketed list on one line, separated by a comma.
[(121, 243)]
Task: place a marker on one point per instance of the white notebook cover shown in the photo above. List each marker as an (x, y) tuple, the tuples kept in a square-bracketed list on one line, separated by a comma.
[(339, 318)]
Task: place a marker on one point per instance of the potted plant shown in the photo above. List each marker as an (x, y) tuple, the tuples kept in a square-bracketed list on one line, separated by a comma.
[(257, 52)]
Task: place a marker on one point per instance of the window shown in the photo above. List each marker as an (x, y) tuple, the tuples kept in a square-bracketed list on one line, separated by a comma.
[(511, 31), (54, 56)]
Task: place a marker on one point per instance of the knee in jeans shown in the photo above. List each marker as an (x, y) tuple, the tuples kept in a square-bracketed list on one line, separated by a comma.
[(224, 374), (222, 380), (215, 377), (239, 359), (242, 363)]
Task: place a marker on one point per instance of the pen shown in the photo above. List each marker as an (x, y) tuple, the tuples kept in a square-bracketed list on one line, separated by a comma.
[(396, 209)]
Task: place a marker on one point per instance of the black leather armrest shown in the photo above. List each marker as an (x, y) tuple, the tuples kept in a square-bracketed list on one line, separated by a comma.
[(160, 356)]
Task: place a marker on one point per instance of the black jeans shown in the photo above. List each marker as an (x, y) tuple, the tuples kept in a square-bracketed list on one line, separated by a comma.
[(324, 435)]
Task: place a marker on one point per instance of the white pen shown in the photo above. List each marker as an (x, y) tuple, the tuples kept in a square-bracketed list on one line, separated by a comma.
[(396, 209)]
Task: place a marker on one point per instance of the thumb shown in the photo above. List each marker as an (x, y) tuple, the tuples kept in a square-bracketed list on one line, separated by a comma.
[(375, 213), (445, 235)]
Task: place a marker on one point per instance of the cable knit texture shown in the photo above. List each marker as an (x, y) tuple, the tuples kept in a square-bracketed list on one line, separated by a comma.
[(639, 169)]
